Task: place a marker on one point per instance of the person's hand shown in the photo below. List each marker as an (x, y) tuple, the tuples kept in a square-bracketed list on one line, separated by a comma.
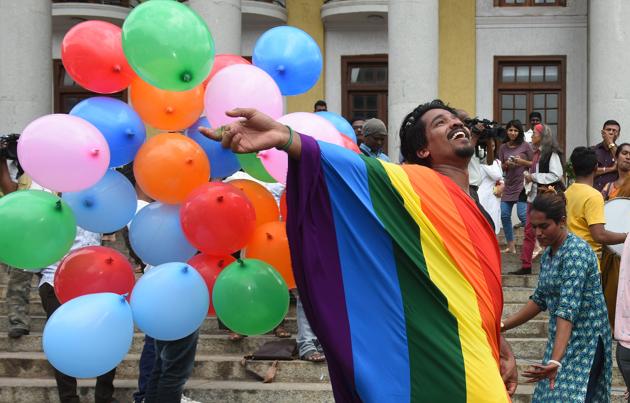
[(527, 176), (509, 373), (538, 372), (254, 132)]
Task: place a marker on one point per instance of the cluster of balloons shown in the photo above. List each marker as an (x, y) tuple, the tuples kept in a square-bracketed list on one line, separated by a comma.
[(164, 54)]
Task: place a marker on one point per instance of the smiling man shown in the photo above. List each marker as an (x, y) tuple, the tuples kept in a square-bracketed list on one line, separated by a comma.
[(398, 270)]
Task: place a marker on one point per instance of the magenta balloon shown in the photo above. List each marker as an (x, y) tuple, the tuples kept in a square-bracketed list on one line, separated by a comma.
[(276, 163), (241, 86), (63, 153)]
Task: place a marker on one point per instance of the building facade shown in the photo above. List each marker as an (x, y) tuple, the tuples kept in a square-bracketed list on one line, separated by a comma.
[(497, 59)]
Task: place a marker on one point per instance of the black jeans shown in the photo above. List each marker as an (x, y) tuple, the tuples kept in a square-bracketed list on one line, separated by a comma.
[(67, 385), (147, 361), (623, 361), (174, 361)]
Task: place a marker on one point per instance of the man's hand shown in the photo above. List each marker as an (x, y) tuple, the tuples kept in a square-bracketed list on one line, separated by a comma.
[(508, 370), (538, 372)]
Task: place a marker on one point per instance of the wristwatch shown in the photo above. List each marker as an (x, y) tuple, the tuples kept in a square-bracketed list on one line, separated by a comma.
[(611, 146)]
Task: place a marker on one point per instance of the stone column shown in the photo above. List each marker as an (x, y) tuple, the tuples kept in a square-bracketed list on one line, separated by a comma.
[(25, 63), (413, 37), (608, 66), (224, 20)]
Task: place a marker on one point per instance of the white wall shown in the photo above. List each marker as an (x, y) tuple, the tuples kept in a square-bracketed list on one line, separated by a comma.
[(536, 31)]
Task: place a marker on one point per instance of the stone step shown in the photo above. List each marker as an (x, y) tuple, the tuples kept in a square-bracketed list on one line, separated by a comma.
[(524, 394), (16, 390), (535, 328), (513, 280), (210, 325), (513, 307), (516, 294), (210, 367), (522, 365)]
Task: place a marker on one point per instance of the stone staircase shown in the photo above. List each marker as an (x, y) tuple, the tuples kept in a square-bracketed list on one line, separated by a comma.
[(218, 376)]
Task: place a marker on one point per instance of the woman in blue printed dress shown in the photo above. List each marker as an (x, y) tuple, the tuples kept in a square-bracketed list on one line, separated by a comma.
[(577, 366)]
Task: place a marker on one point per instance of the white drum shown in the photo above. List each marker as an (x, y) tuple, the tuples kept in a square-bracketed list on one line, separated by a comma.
[(617, 213)]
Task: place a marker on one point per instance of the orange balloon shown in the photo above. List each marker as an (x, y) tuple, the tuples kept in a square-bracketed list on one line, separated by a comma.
[(264, 203), (169, 166), (166, 110), (271, 245), (283, 205)]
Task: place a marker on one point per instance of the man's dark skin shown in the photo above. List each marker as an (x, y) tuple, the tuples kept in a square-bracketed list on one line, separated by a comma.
[(449, 146), (610, 134), (375, 141)]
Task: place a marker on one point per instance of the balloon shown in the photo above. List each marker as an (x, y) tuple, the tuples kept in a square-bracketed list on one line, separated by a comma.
[(221, 61), (156, 235), (276, 162), (170, 301), (283, 205), (291, 57), (118, 123), (252, 165), (166, 110), (222, 160), (241, 86), (270, 244), (168, 45), (37, 229), (91, 270), (209, 268), (169, 166), (341, 124), (263, 201), (349, 144), (105, 207), (250, 297), (89, 335), (63, 153), (92, 55), (218, 219)]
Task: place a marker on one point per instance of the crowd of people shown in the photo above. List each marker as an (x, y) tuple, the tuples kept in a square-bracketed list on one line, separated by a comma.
[(563, 220)]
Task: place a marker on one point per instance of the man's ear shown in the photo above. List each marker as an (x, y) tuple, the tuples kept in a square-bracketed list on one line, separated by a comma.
[(423, 153)]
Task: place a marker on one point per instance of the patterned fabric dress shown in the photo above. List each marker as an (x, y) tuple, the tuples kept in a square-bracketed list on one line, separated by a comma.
[(569, 286)]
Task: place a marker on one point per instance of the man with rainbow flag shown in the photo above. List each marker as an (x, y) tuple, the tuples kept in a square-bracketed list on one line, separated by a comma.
[(414, 314)]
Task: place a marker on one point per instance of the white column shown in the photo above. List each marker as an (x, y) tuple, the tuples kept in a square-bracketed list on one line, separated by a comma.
[(25, 62), (413, 29), (608, 66), (224, 20)]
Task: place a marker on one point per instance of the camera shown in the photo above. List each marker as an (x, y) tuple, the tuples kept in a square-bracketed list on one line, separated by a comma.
[(485, 129), (8, 146)]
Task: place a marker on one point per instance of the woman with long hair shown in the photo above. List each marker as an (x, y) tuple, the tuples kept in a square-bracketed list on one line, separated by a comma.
[(545, 171), (515, 155), (577, 364)]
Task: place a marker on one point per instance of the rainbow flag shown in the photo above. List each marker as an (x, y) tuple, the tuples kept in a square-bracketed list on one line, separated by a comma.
[(399, 275)]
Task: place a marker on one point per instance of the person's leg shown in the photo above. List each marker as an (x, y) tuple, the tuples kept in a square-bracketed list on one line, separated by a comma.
[(623, 362), (151, 390), (597, 369), (306, 339), (609, 264), (104, 391), (176, 359), (529, 243), (147, 361), (66, 385), (506, 222), (18, 302)]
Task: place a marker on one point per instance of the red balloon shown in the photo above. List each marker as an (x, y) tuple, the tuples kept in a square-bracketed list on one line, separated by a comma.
[(209, 267), (91, 270), (221, 61), (349, 144), (92, 54), (217, 218), (283, 205)]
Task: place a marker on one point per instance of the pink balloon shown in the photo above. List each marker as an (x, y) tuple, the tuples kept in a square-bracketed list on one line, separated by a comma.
[(63, 153), (276, 162), (241, 86)]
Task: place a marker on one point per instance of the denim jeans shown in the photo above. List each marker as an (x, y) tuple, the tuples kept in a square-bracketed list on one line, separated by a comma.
[(306, 339), (506, 217), (147, 360), (174, 361)]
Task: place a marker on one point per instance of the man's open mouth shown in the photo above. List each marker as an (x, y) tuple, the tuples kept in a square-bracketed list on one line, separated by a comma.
[(458, 134)]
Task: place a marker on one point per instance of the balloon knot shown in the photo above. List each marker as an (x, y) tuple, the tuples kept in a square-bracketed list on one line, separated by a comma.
[(95, 152), (220, 263), (189, 161), (240, 261), (281, 68), (169, 109), (88, 202), (109, 260), (123, 297), (185, 268), (220, 199), (117, 68), (129, 133), (58, 205), (269, 236), (186, 77)]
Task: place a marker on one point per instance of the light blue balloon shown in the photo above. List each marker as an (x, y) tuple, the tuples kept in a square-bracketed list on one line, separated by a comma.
[(170, 301), (291, 57), (340, 123), (118, 122), (223, 161), (89, 335), (105, 207), (157, 237)]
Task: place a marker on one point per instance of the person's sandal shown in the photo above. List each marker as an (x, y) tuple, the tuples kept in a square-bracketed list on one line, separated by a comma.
[(236, 337), (313, 356), (281, 333)]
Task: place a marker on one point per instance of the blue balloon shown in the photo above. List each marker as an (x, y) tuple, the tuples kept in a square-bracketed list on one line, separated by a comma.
[(223, 161), (340, 123), (89, 335), (170, 301), (291, 57), (105, 207), (120, 125), (157, 237)]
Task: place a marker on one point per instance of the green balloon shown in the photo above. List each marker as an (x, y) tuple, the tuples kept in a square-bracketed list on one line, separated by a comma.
[(250, 297), (38, 229), (252, 165), (168, 45)]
